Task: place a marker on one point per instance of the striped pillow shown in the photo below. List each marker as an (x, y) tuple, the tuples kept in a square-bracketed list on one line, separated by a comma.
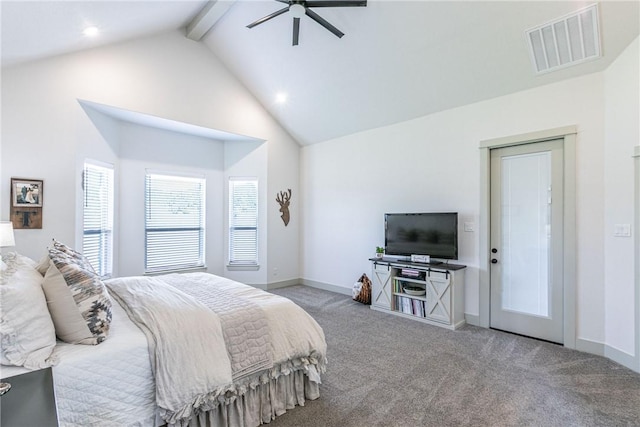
[(77, 299)]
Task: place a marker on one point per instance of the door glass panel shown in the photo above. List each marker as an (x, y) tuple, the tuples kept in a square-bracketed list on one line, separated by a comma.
[(526, 232)]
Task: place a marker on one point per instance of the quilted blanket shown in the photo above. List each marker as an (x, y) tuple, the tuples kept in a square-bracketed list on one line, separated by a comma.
[(211, 339), (244, 324)]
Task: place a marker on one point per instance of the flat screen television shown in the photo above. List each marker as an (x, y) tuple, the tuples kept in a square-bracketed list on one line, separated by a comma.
[(429, 233)]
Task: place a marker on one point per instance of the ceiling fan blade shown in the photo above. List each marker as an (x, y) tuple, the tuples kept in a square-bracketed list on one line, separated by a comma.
[(266, 18), (336, 3), (296, 31), (311, 14), (284, 1)]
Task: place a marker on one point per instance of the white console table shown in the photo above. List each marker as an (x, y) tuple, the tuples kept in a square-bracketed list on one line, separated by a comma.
[(437, 292)]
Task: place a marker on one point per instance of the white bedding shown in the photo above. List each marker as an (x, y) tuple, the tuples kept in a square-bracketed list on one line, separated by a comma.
[(112, 383), (197, 366), (105, 385), (109, 384)]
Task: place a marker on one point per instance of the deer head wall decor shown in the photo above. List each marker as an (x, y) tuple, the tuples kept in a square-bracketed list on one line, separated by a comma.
[(283, 198)]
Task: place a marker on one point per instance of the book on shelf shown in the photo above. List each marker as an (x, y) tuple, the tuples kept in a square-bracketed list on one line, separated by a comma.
[(410, 272), (414, 307), (407, 306), (418, 308)]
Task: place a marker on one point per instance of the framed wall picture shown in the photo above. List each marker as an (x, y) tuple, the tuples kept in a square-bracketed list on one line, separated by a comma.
[(26, 192), (27, 197)]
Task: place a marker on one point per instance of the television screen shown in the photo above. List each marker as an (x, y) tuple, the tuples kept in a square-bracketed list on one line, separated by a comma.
[(434, 234)]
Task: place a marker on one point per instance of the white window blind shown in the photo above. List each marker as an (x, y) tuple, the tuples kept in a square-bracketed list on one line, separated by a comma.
[(243, 222), (97, 239), (174, 222)]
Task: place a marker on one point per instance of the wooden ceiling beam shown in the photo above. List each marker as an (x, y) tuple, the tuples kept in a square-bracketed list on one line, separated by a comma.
[(207, 18)]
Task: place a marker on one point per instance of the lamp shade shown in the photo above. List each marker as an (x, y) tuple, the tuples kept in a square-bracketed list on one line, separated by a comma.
[(6, 234)]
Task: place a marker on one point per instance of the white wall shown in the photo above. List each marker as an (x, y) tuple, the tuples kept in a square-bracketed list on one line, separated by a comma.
[(432, 164), (284, 250), (47, 134), (142, 149), (622, 134)]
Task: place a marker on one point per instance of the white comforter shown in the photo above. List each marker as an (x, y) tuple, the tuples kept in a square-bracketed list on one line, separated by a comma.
[(191, 354)]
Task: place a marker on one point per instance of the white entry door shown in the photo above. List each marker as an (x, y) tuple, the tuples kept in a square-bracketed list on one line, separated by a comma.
[(526, 240)]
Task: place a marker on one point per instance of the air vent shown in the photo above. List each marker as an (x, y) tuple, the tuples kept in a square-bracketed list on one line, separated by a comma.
[(566, 41)]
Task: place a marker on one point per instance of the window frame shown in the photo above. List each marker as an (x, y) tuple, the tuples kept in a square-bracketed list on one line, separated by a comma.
[(103, 265), (243, 264)]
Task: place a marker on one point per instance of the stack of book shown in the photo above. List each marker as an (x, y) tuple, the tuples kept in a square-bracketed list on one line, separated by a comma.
[(410, 306), (411, 273)]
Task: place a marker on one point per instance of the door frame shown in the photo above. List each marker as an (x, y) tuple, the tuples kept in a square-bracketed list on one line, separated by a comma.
[(568, 136), (636, 158)]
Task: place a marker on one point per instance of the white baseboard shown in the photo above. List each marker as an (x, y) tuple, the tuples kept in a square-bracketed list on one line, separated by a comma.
[(589, 346), (472, 319), (326, 286), (612, 353), (283, 284), (621, 357)]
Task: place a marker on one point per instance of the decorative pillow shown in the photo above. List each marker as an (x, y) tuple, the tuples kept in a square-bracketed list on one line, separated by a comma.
[(26, 330), (77, 256), (78, 300)]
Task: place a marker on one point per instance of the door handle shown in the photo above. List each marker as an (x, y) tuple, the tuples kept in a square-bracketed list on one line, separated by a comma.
[(494, 261)]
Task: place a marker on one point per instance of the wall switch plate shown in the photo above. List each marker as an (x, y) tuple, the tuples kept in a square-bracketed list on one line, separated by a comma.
[(622, 230), (469, 226)]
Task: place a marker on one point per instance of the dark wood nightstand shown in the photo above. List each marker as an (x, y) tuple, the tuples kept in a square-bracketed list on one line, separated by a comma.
[(30, 401)]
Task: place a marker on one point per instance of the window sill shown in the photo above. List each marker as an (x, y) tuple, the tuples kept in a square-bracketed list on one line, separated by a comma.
[(243, 267)]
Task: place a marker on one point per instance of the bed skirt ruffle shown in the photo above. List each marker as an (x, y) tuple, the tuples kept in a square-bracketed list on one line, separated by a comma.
[(261, 404)]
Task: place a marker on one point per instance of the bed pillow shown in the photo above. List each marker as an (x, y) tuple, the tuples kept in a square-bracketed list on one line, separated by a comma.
[(77, 299), (26, 330), (43, 265), (72, 253)]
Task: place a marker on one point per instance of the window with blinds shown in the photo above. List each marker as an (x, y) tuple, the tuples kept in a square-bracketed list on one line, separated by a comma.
[(97, 238), (174, 222), (243, 222)]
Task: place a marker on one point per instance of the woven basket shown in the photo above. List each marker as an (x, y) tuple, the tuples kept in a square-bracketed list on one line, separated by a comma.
[(364, 295)]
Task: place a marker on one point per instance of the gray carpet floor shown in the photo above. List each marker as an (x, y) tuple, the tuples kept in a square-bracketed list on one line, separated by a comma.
[(384, 370)]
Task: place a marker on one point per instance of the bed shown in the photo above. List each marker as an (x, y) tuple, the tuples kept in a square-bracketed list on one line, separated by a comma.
[(240, 357)]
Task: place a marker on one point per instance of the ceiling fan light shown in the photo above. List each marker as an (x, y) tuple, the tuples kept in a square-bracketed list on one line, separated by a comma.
[(297, 10)]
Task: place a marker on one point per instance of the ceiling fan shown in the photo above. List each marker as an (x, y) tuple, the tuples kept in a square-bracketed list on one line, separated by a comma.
[(299, 8)]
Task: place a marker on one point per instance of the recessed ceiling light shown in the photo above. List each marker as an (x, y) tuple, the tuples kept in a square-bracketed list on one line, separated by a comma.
[(281, 98), (91, 31)]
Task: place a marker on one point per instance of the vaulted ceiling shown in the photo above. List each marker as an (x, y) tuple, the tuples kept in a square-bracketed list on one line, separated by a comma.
[(398, 59)]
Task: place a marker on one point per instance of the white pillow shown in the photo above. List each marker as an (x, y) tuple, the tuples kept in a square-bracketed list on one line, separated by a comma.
[(26, 330)]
